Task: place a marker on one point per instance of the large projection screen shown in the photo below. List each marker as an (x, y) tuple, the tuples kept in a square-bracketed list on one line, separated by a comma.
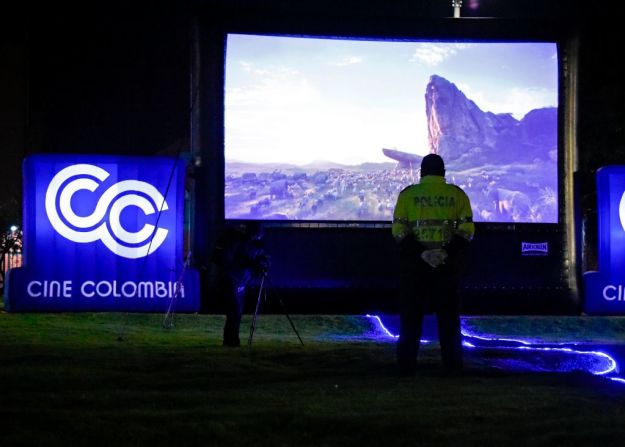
[(329, 129)]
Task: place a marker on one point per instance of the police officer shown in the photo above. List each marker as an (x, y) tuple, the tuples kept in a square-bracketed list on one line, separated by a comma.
[(433, 225)]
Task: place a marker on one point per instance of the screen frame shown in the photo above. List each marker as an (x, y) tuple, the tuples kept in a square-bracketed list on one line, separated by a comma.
[(212, 35), (207, 147)]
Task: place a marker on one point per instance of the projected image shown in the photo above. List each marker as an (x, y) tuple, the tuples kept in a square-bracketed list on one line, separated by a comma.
[(333, 130)]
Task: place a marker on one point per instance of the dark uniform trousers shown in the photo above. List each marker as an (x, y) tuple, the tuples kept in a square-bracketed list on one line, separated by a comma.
[(424, 288), (234, 299)]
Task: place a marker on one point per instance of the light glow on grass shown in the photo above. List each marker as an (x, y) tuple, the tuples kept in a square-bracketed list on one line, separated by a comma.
[(386, 331), (595, 362)]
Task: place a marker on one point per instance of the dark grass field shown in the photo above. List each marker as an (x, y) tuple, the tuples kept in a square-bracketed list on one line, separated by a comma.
[(123, 379)]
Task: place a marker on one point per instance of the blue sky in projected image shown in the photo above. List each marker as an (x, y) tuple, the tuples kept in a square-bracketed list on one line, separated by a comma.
[(299, 100)]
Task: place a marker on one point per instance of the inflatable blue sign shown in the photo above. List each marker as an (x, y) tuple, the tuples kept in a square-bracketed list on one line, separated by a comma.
[(605, 290), (103, 233)]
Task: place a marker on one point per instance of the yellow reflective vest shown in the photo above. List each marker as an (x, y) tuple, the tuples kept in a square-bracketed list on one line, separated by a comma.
[(434, 211)]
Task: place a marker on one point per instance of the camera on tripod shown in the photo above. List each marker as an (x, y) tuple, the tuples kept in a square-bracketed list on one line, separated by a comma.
[(262, 263)]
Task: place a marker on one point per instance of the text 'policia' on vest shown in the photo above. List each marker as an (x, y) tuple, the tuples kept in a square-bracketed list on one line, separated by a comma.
[(439, 201)]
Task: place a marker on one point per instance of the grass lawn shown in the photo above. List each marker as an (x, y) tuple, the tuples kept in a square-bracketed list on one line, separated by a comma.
[(123, 379)]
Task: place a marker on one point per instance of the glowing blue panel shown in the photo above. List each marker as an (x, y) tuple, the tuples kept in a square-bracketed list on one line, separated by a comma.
[(605, 290), (103, 233)]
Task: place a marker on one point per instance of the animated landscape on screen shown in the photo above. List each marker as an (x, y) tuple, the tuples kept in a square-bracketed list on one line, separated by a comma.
[(332, 130)]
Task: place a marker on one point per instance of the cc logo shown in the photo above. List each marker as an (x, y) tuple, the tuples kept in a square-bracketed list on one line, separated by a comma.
[(105, 222)]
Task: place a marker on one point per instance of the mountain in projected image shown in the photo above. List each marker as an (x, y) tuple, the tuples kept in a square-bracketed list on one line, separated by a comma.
[(508, 167), (465, 136)]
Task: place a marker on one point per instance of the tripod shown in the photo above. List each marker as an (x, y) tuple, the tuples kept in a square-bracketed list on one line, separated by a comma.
[(262, 295), (168, 320)]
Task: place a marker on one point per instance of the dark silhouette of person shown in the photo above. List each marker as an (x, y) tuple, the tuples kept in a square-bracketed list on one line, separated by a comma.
[(239, 258), (433, 225)]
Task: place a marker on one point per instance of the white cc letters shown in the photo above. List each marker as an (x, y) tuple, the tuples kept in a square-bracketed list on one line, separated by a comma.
[(105, 218)]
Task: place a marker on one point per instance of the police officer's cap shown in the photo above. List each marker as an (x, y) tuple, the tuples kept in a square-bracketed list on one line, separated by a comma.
[(432, 164)]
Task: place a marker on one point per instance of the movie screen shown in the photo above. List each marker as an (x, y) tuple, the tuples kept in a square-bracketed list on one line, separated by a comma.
[(323, 129)]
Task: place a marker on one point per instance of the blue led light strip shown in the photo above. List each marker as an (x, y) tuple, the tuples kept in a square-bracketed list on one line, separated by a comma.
[(593, 361), (386, 331)]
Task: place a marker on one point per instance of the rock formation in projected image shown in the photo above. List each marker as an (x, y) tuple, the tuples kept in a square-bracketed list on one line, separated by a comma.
[(507, 166), (464, 135), (405, 159)]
